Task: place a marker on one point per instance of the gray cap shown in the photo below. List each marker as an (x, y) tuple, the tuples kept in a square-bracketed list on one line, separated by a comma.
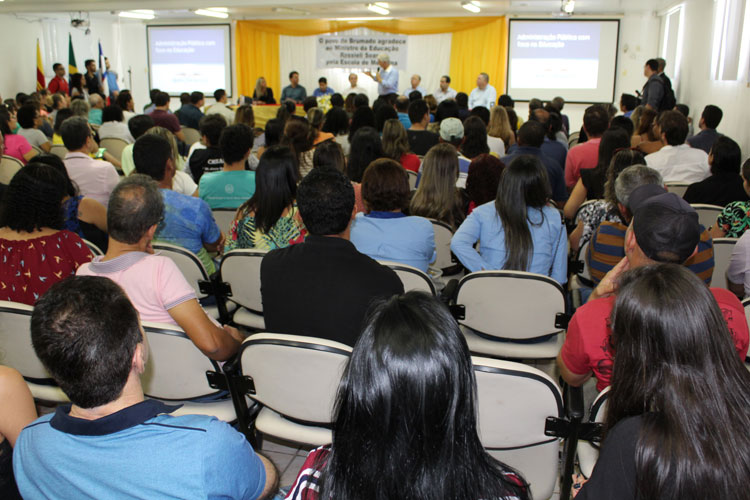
[(451, 129)]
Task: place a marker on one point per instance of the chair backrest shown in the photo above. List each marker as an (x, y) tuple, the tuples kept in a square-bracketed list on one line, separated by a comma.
[(188, 263), (707, 214), (59, 150), (411, 277), (588, 452), (510, 304), (224, 218), (191, 135), (176, 368), (37, 149), (677, 188), (293, 375), (723, 248), (241, 269), (514, 401), (94, 248), (573, 139), (581, 257), (443, 235), (114, 146), (8, 168), (412, 179), (16, 350)]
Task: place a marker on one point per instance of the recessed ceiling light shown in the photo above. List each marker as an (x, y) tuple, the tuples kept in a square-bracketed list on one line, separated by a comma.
[(212, 13), (471, 6), (379, 8), (138, 14)]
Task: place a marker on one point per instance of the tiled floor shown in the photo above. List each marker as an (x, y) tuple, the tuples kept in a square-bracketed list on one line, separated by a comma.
[(288, 458)]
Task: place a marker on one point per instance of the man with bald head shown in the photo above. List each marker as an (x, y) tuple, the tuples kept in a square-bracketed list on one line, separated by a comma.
[(416, 80), (484, 95)]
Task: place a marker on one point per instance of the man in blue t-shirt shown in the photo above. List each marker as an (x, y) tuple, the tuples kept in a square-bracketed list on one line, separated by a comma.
[(111, 442), (188, 221), (232, 185)]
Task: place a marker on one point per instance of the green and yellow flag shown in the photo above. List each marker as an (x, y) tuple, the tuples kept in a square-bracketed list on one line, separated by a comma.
[(72, 69)]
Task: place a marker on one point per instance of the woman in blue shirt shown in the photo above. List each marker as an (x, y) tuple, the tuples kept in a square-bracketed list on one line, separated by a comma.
[(386, 233), (518, 231)]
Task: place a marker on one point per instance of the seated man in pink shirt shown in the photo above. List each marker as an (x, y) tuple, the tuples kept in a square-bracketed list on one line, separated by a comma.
[(95, 178), (154, 284), (586, 155), (664, 228)]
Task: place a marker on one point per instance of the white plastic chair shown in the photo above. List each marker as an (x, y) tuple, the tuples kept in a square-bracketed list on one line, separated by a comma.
[(94, 248), (509, 306), (224, 218), (588, 453), (176, 373), (295, 379), (514, 401), (191, 135), (707, 214), (443, 236), (8, 168), (677, 188), (411, 277), (412, 179), (17, 352), (723, 248), (114, 146), (241, 270), (59, 150)]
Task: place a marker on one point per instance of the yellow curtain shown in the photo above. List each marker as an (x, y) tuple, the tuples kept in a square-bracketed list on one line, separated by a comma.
[(478, 44), (476, 50), (257, 55)]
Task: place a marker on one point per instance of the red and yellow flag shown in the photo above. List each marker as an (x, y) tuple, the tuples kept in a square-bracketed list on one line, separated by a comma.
[(40, 84)]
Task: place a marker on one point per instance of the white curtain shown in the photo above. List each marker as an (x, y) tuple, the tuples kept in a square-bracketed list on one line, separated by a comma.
[(428, 56)]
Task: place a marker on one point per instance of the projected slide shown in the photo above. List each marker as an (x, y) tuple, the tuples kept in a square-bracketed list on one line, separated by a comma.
[(574, 59), (188, 58)]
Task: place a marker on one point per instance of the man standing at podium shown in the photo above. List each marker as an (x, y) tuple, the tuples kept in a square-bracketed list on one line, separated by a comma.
[(387, 76)]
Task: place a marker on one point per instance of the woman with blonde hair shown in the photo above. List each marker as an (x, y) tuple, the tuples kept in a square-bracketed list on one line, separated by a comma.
[(437, 196), (263, 94), (500, 135), (396, 145)]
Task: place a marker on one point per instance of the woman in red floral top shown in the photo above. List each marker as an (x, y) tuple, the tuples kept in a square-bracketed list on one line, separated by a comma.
[(35, 251), (405, 422)]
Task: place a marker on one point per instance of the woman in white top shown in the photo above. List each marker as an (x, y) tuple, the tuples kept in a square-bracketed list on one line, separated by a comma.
[(113, 126), (500, 136)]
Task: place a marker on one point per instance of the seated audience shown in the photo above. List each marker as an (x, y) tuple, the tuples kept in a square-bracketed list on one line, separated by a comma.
[(462, 99), (402, 111), (153, 282), (337, 124), (482, 113), (420, 139), (270, 218), (628, 103), (725, 185), (80, 108), (309, 103), (530, 139), (519, 230), (331, 155), (263, 94), (677, 161), (684, 109), (410, 373), (735, 218), (114, 126), (328, 261), (586, 155), (608, 241), (208, 159), (16, 412), (137, 126), (233, 185), (30, 120), (190, 113), (271, 135), (588, 217), (710, 119), (36, 250), (383, 113), (363, 117), (624, 123), (316, 119), (664, 229), (590, 186), (182, 182), (96, 103), (483, 180), (500, 136), (366, 148), (396, 145), (475, 139), (94, 178), (84, 216), (738, 273), (385, 232), (452, 132), (188, 221), (647, 136), (300, 137), (60, 117), (555, 143), (163, 117), (220, 106), (16, 145), (126, 103), (88, 336), (676, 376), (437, 196)]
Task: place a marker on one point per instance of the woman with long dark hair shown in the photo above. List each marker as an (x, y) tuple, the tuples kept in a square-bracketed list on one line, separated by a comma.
[(679, 405), (299, 136), (337, 123), (366, 148), (270, 218), (475, 138), (518, 231), (363, 117), (406, 422)]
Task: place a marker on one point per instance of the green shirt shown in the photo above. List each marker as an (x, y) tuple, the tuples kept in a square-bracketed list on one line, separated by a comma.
[(227, 189)]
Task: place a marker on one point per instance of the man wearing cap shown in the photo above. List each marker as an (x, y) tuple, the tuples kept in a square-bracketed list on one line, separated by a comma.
[(664, 229), (452, 132)]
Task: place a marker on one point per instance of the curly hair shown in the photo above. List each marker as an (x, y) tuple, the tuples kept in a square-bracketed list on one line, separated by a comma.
[(33, 199)]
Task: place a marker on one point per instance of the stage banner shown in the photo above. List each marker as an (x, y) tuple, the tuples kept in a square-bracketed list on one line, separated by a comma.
[(353, 51)]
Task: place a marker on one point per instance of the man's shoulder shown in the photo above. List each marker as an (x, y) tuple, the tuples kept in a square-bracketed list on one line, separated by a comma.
[(594, 311)]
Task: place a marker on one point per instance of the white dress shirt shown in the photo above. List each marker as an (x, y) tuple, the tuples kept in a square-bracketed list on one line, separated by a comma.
[(117, 130), (440, 96), (221, 109), (680, 163), (486, 97)]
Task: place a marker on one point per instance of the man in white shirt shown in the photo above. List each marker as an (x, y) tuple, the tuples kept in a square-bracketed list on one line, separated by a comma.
[(220, 108), (445, 91), (387, 76), (95, 178), (676, 161), (354, 88), (415, 87), (484, 95)]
